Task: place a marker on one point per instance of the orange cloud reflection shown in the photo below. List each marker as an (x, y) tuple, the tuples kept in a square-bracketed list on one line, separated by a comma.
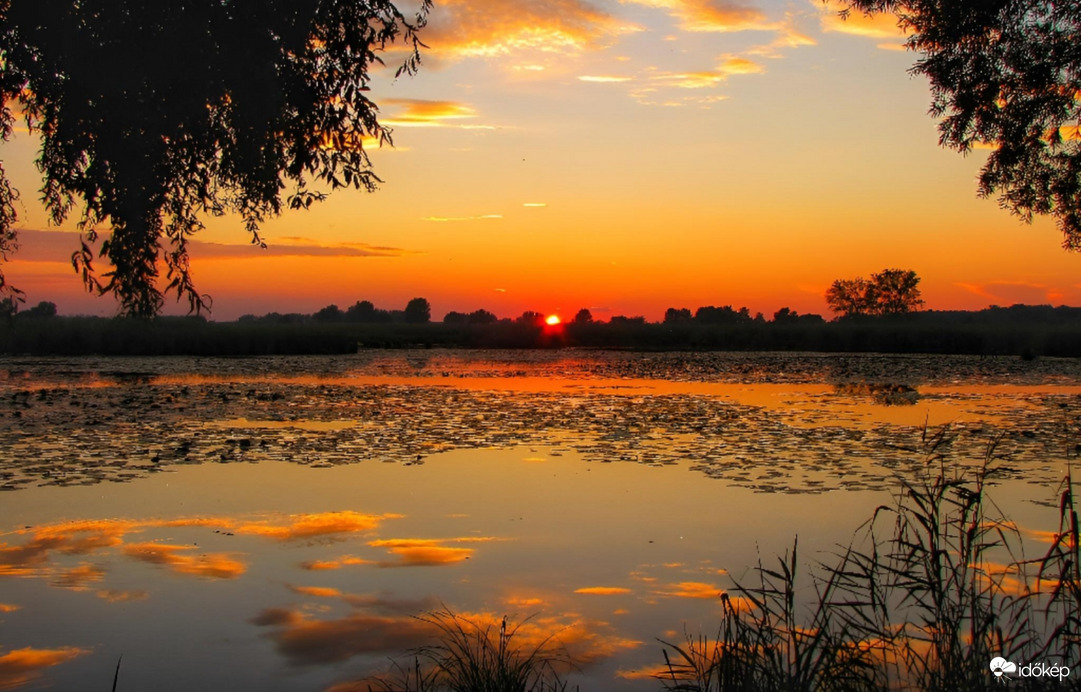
[(209, 565), (603, 590), (21, 666), (422, 552)]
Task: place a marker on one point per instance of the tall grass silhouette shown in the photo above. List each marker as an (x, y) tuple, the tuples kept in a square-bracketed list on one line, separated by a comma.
[(931, 589)]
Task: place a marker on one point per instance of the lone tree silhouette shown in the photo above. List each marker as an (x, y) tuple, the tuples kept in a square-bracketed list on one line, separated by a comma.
[(1005, 73), (889, 292), (154, 114)]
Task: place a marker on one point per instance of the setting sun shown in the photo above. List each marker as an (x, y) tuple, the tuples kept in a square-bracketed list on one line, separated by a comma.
[(552, 320)]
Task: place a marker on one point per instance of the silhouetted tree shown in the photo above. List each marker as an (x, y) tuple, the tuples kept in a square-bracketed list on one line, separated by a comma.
[(723, 315), (889, 292), (1005, 73), (7, 308), (331, 313), (627, 321), (361, 311), (531, 318), (455, 318), (153, 114), (481, 317), (785, 316), (896, 291), (418, 311), (850, 297), (583, 316), (677, 315), (43, 309)]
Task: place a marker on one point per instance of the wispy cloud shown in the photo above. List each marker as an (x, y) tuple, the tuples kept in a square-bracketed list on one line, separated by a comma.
[(428, 113), (712, 15), (57, 246), (876, 26), (491, 28), (447, 219), (603, 79)]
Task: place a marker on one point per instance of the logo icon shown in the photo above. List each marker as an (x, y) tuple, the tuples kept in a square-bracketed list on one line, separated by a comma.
[(1000, 666)]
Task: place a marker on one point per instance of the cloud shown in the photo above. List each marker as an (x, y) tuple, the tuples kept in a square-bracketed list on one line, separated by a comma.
[(57, 246), (535, 204), (1013, 292), (447, 219), (8, 608), (712, 15), (21, 666), (601, 79), (173, 557), (425, 113), (492, 28), (877, 26)]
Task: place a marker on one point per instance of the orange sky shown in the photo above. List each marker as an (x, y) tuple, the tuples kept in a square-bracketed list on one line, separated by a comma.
[(626, 157)]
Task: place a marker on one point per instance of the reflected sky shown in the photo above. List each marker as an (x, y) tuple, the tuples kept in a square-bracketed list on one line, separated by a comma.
[(606, 557), (281, 527)]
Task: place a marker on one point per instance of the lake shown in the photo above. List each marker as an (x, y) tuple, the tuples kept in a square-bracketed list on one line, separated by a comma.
[(279, 523)]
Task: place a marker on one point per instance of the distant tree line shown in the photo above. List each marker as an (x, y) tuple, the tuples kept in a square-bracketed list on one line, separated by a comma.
[(1020, 330), (417, 311)]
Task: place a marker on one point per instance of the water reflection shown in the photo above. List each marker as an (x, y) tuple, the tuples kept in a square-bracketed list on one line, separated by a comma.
[(23, 666), (886, 394), (770, 437), (254, 512), (327, 595)]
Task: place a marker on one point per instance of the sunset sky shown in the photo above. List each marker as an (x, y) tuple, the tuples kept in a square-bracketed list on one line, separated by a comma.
[(625, 157)]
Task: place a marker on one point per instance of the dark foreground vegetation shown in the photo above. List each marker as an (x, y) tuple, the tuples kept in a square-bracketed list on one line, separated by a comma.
[(1026, 331), (935, 593)]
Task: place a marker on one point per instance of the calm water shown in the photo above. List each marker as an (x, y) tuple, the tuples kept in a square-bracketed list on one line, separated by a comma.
[(278, 523)]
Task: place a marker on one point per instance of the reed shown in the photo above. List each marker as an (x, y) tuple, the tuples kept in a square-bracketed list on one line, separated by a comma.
[(476, 656), (930, 590)]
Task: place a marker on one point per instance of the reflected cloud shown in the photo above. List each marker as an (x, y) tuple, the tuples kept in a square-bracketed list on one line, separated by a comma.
[(317, 591), (691, 589), (603, 590), (77, 578), (324, 565), (421, 552), (8, 608), (173, 557), (116, 596), (309, 526), (304, 641), (22, 666)]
